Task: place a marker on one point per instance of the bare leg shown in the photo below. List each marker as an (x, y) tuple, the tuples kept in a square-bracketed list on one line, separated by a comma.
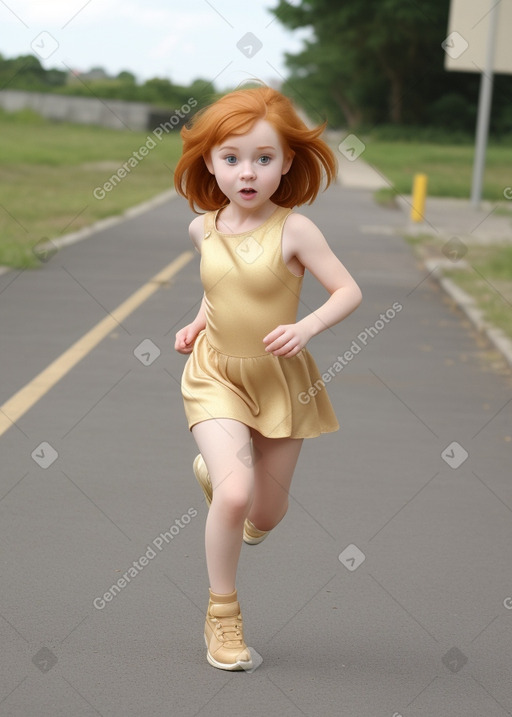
[(223, 444), (274, 463)]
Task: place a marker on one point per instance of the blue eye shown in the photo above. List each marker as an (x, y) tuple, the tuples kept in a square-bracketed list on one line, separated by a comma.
[(229, 158), (265, 159)]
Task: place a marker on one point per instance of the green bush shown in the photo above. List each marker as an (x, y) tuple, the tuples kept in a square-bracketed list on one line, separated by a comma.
[(411, 133), (26, 116), (451, 112)]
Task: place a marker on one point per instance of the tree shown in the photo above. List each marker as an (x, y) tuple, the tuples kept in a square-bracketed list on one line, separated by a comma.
[(126, 77), (369, 60), (26, 72)]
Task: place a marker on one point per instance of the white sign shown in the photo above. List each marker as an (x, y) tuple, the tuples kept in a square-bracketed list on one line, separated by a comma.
[(468, 30)]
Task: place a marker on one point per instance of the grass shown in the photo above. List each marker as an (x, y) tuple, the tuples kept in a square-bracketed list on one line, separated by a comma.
[(386, 197), (49, 172), (493, 298), (449, 167), (489, 280), (485, 274)]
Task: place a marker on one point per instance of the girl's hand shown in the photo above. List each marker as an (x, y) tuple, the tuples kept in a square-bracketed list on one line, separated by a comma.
[(185, 339), (287, 340)]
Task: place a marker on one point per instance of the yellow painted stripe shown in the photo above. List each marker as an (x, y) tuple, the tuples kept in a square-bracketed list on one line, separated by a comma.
[(25, 398)]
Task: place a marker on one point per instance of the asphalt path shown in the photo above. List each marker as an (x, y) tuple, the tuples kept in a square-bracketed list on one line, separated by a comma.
[(385, 591)]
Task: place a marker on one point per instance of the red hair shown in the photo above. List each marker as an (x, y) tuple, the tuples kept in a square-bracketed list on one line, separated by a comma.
[(235, 114)]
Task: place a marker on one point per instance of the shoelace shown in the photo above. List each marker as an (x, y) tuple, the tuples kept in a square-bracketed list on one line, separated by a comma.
[(229, 626)]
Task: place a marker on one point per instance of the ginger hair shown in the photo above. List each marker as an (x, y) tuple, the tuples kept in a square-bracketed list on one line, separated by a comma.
[(235, 114)]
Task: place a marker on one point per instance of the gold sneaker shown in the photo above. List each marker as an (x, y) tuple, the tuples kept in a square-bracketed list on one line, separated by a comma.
[(223, 634), (252, 536), (203, 478)]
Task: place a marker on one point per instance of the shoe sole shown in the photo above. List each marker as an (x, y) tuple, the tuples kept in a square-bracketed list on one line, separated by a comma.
[(253, 541), (226, 666)]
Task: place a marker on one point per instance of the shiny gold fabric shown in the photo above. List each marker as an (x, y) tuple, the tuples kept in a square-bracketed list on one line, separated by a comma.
[(250, 291)]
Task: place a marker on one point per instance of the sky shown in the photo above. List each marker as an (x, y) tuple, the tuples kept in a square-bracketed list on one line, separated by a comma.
[(224, 41)]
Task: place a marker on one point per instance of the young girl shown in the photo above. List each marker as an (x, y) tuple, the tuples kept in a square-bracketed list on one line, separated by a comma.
[(247, 160)]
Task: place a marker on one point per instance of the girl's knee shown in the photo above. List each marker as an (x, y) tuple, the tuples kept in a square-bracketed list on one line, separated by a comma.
[(234, 502)]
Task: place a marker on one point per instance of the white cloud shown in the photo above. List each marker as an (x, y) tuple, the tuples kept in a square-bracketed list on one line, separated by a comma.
[(57, 13), (183, 41), (165, 47), (157, 18)]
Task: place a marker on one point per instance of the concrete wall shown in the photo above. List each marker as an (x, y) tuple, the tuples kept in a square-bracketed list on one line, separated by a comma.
[(116, 114)]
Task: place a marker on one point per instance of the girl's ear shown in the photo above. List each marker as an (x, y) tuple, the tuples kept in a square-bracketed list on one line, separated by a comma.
[(288, 162), (208, 161)]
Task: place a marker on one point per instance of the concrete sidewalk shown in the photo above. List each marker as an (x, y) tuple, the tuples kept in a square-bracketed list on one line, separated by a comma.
[(453, 222), (385, 590), (444, 217)]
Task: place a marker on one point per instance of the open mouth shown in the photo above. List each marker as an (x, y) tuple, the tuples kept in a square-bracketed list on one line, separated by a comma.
[(247, 191)]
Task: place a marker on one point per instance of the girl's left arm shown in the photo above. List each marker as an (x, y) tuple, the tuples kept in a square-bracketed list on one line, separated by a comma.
[(302, 239)]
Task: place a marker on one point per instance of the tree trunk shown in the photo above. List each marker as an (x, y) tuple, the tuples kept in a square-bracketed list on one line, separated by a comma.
[(352, 114), (395, 96), (395, 99)]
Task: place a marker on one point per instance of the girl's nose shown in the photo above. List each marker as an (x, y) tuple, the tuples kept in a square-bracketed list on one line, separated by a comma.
[(247, 171)]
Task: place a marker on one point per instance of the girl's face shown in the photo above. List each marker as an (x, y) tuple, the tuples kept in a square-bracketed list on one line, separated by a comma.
[(248, 168)]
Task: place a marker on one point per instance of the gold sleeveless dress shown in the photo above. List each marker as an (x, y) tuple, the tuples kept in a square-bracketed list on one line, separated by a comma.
[(250, 291)]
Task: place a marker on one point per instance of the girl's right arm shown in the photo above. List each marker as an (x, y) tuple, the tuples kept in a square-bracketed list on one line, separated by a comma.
[(186, 337)]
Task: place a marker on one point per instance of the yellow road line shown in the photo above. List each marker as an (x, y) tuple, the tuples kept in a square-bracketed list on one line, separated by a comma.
[(22, 401)]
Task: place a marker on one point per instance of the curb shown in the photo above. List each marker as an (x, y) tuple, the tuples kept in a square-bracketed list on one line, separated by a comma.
[(468, 305), (74, 237)]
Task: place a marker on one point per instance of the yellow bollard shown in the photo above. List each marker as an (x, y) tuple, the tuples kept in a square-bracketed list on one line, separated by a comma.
[(419, 193)]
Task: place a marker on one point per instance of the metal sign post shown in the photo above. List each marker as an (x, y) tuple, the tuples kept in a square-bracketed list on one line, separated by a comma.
[(484, 108), (477, 42)]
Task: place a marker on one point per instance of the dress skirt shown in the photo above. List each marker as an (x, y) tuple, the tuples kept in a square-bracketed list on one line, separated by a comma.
[(278, 397)]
